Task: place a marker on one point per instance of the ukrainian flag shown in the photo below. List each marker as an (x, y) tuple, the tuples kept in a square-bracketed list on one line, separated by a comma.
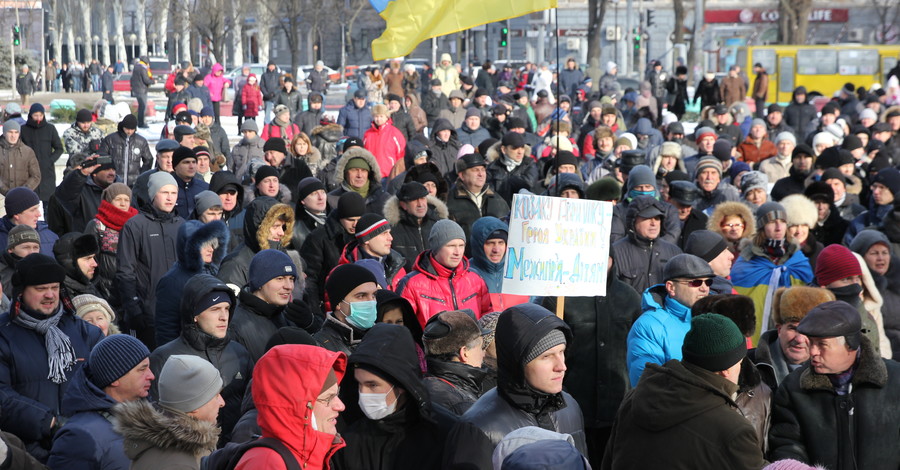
[(409, 22)]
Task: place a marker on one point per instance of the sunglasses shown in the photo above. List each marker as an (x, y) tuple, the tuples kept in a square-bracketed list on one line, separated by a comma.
[(698, 282)]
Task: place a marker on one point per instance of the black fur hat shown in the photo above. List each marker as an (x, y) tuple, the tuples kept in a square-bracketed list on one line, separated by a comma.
[(738, 308)]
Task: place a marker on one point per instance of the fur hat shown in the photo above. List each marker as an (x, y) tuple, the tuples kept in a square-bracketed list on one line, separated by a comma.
[(739, 308), (791, 304), (800, 211)]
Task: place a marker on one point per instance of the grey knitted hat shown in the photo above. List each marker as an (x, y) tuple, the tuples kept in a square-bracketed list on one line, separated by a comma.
[(443, 232), (158, 180), (551, 339), (206, 199), (187, 382)]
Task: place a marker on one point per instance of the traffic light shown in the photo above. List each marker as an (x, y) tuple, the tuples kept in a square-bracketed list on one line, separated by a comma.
[(504, 36), (637, 38), (17, 37), (649, 18)]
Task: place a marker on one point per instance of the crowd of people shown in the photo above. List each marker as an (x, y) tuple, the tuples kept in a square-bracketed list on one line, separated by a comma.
[(327, 293)]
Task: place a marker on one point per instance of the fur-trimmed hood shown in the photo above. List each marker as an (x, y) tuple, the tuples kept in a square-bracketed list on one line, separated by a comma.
[(313, 159), (493, 152), (191, 237), (732, 208), (358, 152), (330, 132), (278, 212), (393, 213), (416, 171), (260, 217), (145, 427)]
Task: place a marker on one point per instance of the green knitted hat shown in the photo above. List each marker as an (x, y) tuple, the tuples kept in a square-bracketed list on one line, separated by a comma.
[(358, 162), (714, 343)]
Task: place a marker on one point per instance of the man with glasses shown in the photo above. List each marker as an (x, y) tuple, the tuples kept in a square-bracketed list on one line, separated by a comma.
[(454, 353), (658, 333)]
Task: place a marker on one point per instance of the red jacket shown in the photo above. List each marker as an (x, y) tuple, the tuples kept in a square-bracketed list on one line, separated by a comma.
[(271, 130), (432, 288), (287, 381), (387, 144), (251, 98), (393, 264), (752, 154)]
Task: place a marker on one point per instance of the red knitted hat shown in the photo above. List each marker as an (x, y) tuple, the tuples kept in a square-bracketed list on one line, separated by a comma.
[(836, 262)]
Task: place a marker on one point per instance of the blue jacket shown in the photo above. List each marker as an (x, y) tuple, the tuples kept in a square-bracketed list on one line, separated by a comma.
[(191, 237), (48, 238), (492, 273), (184, 205), (29, 399), (473, 138), (200, 92), (871, 218), (356, 121), (658, 333), (87, 441)]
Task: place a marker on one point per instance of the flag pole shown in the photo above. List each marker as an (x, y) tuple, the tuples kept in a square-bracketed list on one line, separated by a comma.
[(558, 77)]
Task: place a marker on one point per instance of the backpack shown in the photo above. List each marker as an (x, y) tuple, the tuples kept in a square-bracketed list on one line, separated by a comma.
[(228, 457)]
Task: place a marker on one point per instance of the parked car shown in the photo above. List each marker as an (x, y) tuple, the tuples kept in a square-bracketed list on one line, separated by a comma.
[(160, 68), (122, 82)]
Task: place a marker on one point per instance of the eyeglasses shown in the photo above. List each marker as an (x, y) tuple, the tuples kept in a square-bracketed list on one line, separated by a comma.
[(328, 399), (731, 226), (698, 282)]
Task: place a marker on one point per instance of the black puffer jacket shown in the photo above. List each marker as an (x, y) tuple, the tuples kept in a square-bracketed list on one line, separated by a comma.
[(410, 236), (454, 385), (254, 322), (412, 437), (798, 115), (598, 371), (131, 154), (812, 424), (321, 251), (291, 100), (514, 404), (44, 140), (230, 358), (639, 261)]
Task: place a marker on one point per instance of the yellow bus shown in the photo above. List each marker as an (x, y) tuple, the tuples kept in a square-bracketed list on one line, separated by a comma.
[(824, 68)]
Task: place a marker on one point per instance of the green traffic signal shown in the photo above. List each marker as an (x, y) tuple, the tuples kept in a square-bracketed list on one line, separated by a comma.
[(16, 35)]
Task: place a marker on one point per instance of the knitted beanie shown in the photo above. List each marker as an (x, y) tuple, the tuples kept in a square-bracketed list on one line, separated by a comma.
[(442, 232), (22, 234), (19, 200), (769, 212), (836, 262), (275, 144), (343, 279), (115, 189), (307, 186), (182, 153), (860, 244), (113, 357), (705, 244), (187, 382), (11, 125), (708, 162), (357, 162), (87, 303), (264, 172), (205, 200), (714, 343), (890, 178), (370, 226), (350, 205), (37, 269), (267, 265), (551, 339), (157, 181)]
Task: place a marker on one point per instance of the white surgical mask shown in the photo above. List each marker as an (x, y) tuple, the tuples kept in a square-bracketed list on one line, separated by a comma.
[(374, 405)]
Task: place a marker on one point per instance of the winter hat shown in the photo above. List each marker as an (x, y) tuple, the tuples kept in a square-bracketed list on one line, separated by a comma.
[(677, 175), (264, 172), (206, 200), (769, 212), (800, 211), (410, 192), (831, 319), (792, 304), (36, 108), (889, 177), (201, 150), (714, 343), (211, 298), (182, 153), (708, 162), (115, 189), (789, 136), (187, 382), (836, 262), (158, 180), (87, 303), (722, 150), (820, 191), (564, 157), (737, 308), (370, 226), (128, 122), (343, 279), (758, 122), (610, 66), (684, 192), (754, 180), (704, 132), (833, 173), (687, 266), (113, 357), (275, 144), (442, 232), (84, 115), (267, 265), (357, 162), (350, 205), (552, 339), (868, 113), (19, 200), (803, 150), (13, 108), (705, 244), (639, 175), (670, 149), (37, 269), (861, 242), (380, 110), (11, 125), (207, 111), (307, 186), (250, 125), (604, 189), (21, 234), (473, 112), (513, 139)]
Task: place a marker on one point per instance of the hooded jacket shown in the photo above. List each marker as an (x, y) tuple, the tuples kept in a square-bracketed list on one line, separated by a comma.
[(18, 166), (242, 153), (444, 153), (44, 140), (87, 440), (229, 357), (505, 182), (410, 236), (376, 197), (432, 288), (130, 154), (387, 144), (799, 115), (322, 251), (682, 417), (156, 438), (640, 261), (413, 436), (658, 333), (491, 273), (76, 282), (286, 385), (812, 423), (309, 119), (262, 214), (234, 218), (216, 83), (170, 289), (514, 403), (671, 223)]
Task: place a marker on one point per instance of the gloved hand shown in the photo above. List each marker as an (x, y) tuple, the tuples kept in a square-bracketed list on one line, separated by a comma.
[(135, 318), (301, 315)]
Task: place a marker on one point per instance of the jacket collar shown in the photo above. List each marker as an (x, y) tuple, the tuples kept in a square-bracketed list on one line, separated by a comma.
[(870, 370)]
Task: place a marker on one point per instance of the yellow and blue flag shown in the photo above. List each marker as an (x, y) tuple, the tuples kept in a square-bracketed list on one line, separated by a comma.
[(409, 22)]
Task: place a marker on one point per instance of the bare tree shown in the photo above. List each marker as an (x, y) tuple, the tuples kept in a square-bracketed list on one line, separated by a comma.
[(104, 31), (264, 20), (354, 9), (793, 20), (69, 28), (596, 12), (889, 19), (119, 30)]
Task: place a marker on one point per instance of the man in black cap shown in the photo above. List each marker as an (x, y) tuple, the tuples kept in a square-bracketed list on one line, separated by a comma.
[(830, 226), (725, 127), (711, 247), (454, 353), (434, 101), (41, 342), (847, 204), (351, 292), (412, 213), (683, 413), (373, 241), (290, 170), (184, 164), (471, 197), (310, 211), (643, 252), (129, 150), (77, 254), (775, 121), (77, 138), (80, 191), (683, 195), (400, 118), (839, 410), (509, 168), (802, 160), (355, 117)]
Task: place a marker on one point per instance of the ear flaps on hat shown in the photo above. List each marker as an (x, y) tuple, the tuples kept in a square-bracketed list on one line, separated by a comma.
[(85, 245)]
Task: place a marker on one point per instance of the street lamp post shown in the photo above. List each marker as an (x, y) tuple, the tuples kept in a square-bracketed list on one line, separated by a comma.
[(133, 38), (177, 37), (96, 40), (153, 37)]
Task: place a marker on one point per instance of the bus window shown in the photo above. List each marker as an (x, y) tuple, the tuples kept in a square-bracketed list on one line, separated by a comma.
[(887, 64), (858, 62), (816, 62), (786, 74), (764, 57)]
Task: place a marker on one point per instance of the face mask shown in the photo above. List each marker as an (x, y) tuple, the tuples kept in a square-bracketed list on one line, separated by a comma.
[(374, 405), (362, 314), (677, 140), (849, 294), (635, 193)]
